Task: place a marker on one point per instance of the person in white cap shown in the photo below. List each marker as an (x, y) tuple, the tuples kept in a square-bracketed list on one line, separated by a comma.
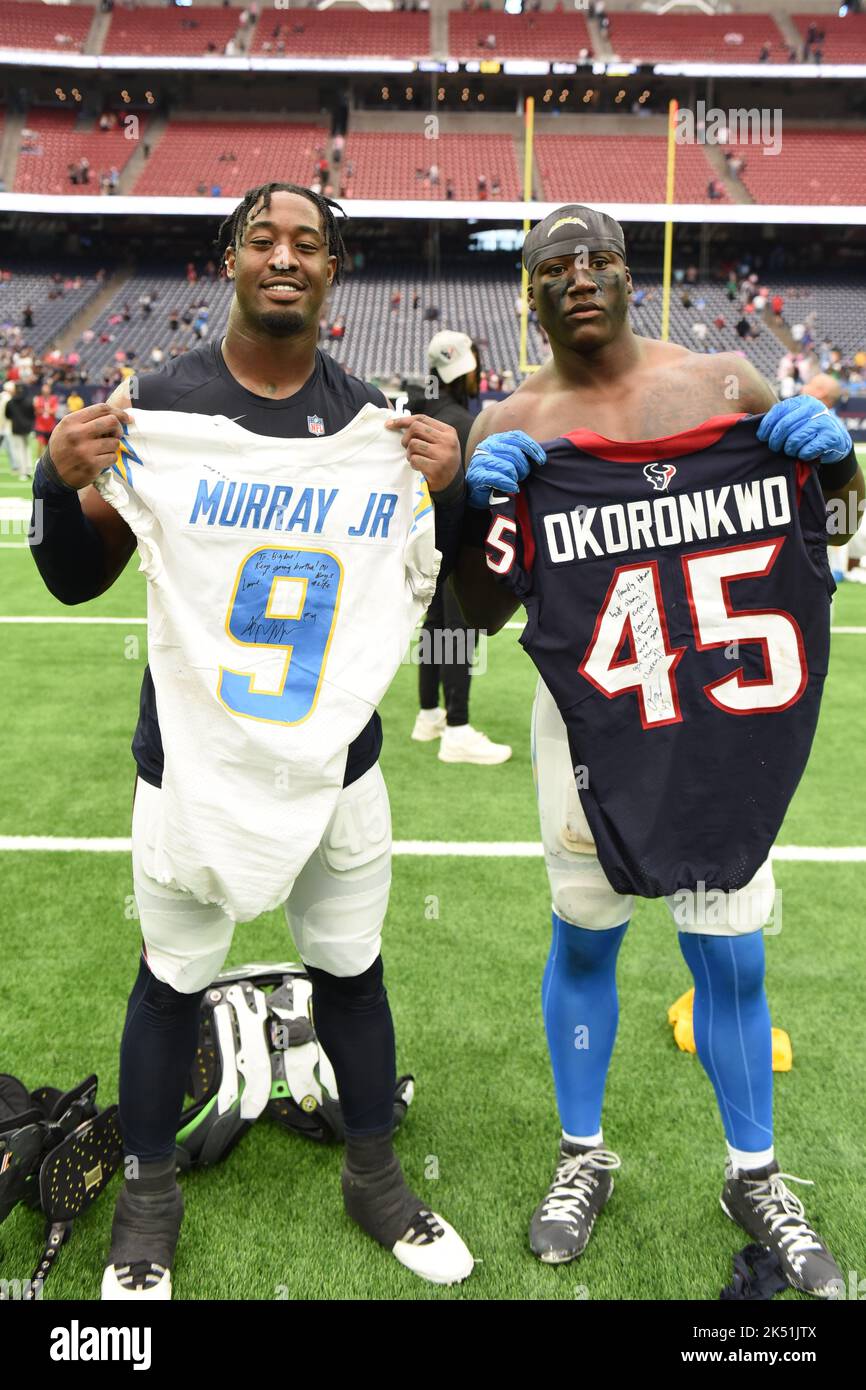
[(447, 645)]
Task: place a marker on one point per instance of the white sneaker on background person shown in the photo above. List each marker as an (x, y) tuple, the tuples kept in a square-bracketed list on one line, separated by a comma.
[(463, 744), (429, 724)]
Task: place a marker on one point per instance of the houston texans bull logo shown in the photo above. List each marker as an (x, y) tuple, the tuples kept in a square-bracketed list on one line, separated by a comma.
[(659, 474)]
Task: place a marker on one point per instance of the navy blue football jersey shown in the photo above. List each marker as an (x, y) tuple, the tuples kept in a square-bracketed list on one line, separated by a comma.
[(678, 609)]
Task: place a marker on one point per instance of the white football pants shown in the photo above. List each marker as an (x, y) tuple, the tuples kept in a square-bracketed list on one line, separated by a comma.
[(335, 910), (579, 888)]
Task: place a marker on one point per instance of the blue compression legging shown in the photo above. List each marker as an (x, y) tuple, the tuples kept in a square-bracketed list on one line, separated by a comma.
[(731, 1022)]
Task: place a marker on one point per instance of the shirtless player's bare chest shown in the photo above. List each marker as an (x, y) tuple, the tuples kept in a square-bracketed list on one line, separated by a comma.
[(666, 395)]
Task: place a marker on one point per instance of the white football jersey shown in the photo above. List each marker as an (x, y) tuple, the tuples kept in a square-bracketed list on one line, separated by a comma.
[(285, 578)]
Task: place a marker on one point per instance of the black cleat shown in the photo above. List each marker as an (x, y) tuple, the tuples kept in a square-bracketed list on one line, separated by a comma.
[(562, 1223), (772, 1214), (144, 1234)]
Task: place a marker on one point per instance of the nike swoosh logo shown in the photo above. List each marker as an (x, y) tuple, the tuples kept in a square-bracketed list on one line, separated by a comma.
[(237, 417), (497, 497)]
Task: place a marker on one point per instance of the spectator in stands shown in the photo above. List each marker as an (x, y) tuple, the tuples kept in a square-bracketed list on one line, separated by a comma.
[(337, 145), (21, 419), (174, 320), (395, 300), (202, 190), (72, 173), (699, 331), (337, 329), (27, 316), (495, 185), (45, 407), (742, 328), (449, 190), (5, 425), (638, 298), (126, 312), (84, 170), (145, 302), (431, 313), (200, 326), (75, 400), (764, 55), (447, 646), (787, 380), (777, 304), (686, 299), (416, 300), (157, 356), (691, 275), (714, 190)]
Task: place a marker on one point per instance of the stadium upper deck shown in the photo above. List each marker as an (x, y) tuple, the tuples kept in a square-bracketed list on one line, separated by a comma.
[(554, 32)]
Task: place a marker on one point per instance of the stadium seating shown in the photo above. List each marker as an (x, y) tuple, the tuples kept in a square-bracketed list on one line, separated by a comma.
[(32, 286), (343, 33), (695, 37), (386, 164), (43, 167), (189, 151), (171, 31), (44, 27), (381, 341), (812, 166), (619, 169), (845, 39), (555, 37)]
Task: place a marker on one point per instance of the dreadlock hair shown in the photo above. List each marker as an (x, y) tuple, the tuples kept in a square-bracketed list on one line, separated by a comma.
[(231, 231)]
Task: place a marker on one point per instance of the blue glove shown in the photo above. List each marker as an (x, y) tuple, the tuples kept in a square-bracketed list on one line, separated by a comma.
[(805, 429), (500, 463)]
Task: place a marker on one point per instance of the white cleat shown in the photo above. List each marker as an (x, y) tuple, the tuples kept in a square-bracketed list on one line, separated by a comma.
[(142, 1282), (463, 744), (429, 724), (432, 1249)]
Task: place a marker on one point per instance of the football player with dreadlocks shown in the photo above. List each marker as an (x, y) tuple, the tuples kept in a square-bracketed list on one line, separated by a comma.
[(283, 250)]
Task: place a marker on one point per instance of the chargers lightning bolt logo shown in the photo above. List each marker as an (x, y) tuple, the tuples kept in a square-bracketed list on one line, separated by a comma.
[(659, 474)]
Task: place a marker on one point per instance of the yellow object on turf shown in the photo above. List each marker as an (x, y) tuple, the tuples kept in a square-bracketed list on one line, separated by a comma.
[(680, 1016)]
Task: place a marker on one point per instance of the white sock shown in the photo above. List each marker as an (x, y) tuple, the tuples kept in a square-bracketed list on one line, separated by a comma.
[(430, 714), (743, 1162), (590, 1141)]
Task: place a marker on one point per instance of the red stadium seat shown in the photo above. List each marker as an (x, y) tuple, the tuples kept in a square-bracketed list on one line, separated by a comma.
[(189, 151), (620, 169), (386, 164), (556, 37), (341, 33), (165, 31), (812, 166), (43, 168), (45, 27), (845, 39), (731, 38)]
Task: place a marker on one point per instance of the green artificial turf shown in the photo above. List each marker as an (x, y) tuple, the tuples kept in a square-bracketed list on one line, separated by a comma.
[(465, 945)]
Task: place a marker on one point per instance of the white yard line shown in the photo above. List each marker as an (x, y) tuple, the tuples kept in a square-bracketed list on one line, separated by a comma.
[(460, 849), (113, 622), (142, 622)]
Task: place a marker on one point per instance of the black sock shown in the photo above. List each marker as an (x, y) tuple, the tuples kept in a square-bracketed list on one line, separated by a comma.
[(156, 1053), (375, 1191), (353, 1023)]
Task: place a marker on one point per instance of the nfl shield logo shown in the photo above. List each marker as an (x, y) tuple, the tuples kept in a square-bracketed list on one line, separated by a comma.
[(315, 424)]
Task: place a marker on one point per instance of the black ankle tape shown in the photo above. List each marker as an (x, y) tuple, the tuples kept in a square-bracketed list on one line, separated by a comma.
[(380, 1201), (367, 1153), (145, 1227), (152, 1176)]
